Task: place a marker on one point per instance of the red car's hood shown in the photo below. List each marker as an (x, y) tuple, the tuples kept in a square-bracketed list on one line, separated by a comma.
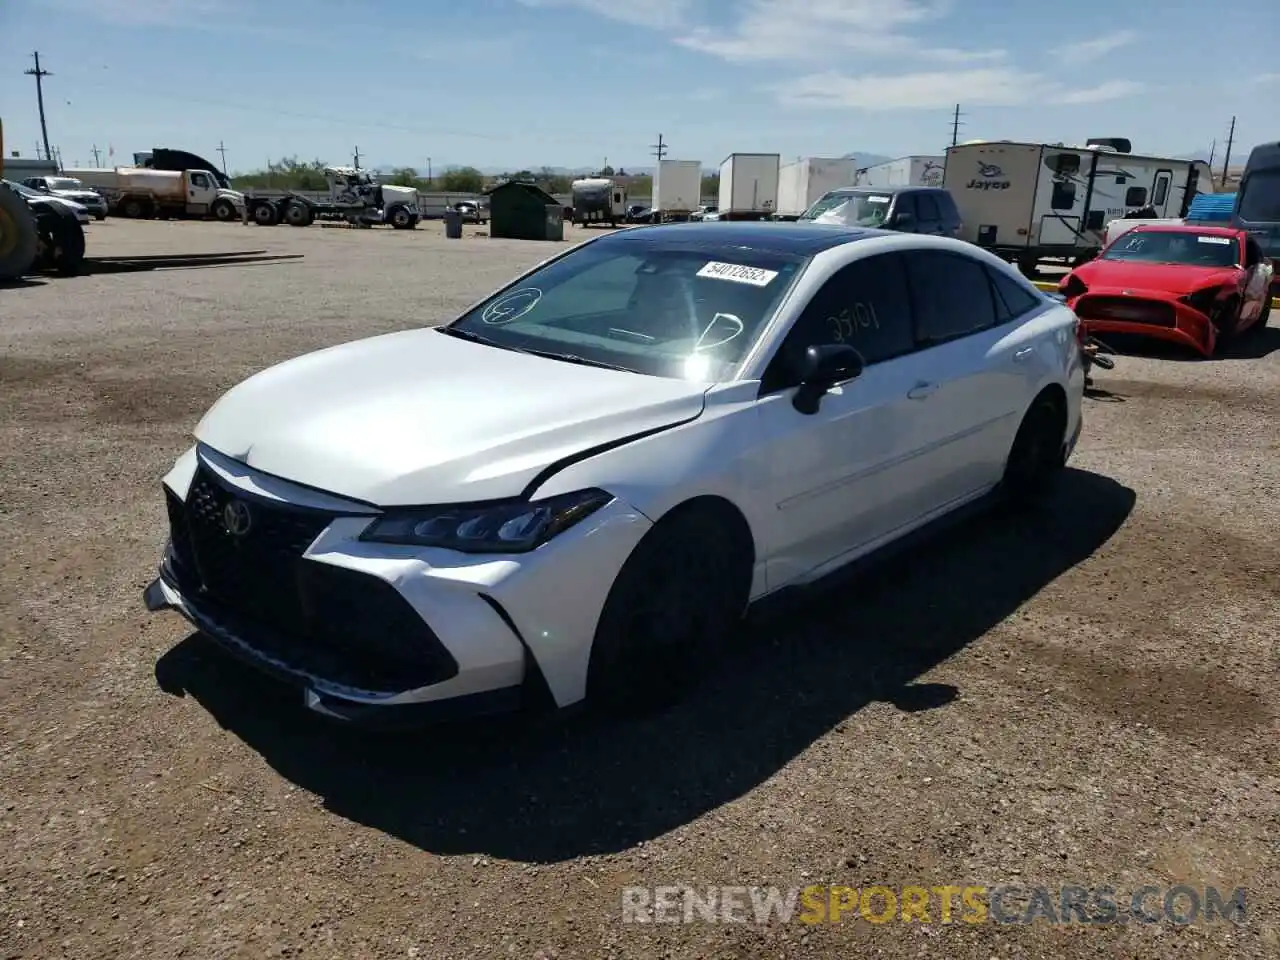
[(1174, 278)]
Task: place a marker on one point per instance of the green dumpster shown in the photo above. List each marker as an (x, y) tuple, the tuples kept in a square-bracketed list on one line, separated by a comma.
[(520, 211)]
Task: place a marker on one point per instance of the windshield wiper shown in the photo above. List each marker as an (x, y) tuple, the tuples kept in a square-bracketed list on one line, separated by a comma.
[(473, 337), (574, 358)]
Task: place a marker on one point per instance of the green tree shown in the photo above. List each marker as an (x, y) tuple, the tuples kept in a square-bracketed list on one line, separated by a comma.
[(405, 177), (606, 171), (461, 180)]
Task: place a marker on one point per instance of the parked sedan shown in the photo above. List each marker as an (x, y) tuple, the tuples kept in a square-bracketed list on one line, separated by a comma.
[(69, 188), (1193, 285), (78, 210), (575, 489)]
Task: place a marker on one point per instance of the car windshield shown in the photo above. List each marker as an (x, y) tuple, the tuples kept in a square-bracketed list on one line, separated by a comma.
[(668, 310), (1168, 246), (1259, 201), (852, 209), (64, 183)]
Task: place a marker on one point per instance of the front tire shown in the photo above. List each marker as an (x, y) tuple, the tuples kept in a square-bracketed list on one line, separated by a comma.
[(1035, 460), (224, 211), (401, 218), (62, 245), (670, 610)]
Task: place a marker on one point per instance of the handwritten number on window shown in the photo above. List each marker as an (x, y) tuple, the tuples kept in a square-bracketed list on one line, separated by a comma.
[(848, 324)]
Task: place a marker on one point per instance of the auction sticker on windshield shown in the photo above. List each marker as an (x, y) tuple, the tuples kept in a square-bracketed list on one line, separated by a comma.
[(1221, 241), (738, 273)]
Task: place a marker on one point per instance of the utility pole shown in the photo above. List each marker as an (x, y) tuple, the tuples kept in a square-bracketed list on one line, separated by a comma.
[(1213, 148), (956, 125), (357, 158), (430, 179), (1226, 160), (659, 149), (40, 74), (96, 154), (223, 150)]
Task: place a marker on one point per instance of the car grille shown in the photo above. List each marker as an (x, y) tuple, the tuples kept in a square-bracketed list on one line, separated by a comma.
[(1126, 310), (337, 623)]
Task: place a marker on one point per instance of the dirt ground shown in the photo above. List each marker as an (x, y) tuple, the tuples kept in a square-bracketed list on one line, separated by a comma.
[(1085, 695)]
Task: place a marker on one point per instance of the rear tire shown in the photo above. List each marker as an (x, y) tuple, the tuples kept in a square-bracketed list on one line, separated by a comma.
[(670, 610), (133, 209), (265, 215), (298, 215), (1035, 460)]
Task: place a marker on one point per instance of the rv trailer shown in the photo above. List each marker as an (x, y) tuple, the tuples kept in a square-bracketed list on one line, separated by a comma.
[(1032, 201)]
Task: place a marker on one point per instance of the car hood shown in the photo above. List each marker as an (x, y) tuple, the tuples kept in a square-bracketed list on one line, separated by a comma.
[(78, 195), (1162, 277), (423, 418)]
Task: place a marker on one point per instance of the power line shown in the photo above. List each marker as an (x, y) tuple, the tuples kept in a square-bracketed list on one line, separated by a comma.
[(956, 124), (40, 74), (1226, 160)]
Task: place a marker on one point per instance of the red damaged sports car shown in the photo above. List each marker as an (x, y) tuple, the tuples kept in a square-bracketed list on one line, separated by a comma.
[(1197, 286)]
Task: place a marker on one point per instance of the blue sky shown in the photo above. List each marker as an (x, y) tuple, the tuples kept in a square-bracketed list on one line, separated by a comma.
[(512, 83)]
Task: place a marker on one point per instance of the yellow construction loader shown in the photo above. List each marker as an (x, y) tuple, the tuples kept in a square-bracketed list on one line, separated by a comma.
[(19, 235)]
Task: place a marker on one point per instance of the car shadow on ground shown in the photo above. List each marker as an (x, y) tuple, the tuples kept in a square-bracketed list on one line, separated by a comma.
[(1252, 344), (100, 265), (551, 790)]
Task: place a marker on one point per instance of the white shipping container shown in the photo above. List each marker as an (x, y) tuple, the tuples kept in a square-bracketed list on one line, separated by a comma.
[(749, 183), (802, 182), (677, 186), (904, 172)]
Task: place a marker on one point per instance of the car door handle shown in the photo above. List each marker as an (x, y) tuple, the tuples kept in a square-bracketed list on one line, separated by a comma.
[(1020, 355), (922, 391)]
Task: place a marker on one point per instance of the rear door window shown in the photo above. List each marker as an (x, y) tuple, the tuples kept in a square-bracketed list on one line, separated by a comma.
[(928, 208), (953, 296)]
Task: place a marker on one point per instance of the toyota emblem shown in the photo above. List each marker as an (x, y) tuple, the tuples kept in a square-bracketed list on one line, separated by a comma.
[(237, 518)]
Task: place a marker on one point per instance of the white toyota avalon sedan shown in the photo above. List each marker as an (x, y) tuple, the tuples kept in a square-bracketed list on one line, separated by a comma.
[(575, 489)]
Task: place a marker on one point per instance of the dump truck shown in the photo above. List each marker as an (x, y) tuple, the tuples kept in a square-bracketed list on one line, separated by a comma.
[(142, 192)]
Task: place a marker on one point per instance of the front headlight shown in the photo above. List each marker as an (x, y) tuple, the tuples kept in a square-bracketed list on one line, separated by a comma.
[(1202, 301), (506, 527)]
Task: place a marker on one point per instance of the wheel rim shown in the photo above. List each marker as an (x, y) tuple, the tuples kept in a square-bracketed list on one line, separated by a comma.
[(262, 215)]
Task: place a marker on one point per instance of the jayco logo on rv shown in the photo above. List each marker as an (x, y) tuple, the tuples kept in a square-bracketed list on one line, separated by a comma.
[(990, 177)]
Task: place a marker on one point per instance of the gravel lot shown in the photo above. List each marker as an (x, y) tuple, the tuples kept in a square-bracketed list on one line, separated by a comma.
[(1087, 695)]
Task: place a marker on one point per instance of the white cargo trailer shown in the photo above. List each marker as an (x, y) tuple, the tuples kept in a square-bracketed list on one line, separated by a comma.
[(1032, 201), (801, 182), (677, 189), (749, 186), (904, 172)]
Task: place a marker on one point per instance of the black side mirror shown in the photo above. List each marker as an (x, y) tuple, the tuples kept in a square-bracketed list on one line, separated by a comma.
[(903, 220), (824, 366)]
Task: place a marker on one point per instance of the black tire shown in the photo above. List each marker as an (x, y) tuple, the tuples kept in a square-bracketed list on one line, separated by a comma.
[(19, 235), (297, 214), (99, 217), (266, 215), (1035, 459), (670, 610), (1029, 266), (224, 210), (133, 208), (62, 245), (400, 218)]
